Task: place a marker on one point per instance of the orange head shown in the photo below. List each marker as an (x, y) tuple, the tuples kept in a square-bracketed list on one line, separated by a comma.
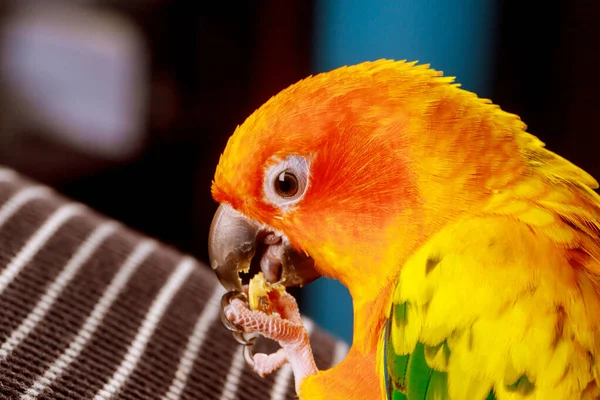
[(357, 165)]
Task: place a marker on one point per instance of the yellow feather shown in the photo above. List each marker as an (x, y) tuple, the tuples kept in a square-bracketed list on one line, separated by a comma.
[(491, 240), (508, 305)]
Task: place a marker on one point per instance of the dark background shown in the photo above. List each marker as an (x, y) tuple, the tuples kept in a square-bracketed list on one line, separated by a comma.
[(210, 64)]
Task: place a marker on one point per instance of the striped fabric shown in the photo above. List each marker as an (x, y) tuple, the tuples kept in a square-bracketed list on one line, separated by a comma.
[(92, 310)]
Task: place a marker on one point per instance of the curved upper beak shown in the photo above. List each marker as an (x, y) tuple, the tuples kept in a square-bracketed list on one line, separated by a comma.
[(232, 244)]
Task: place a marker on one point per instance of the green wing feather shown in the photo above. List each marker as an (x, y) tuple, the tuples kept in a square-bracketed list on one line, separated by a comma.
[(409, 376), (475, 314)]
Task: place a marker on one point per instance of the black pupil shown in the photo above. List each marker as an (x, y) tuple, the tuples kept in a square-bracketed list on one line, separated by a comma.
[(286, 184)]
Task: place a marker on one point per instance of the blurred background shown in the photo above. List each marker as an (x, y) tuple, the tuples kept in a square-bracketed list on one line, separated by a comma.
[(126, 105)]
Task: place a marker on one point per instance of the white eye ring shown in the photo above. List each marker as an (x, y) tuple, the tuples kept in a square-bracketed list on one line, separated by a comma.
[(286, 181)]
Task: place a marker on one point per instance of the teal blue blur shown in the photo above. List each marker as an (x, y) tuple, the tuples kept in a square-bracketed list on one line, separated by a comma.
[(454, 36)]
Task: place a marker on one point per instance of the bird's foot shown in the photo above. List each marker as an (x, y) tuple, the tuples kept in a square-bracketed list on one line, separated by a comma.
[(284, 326)]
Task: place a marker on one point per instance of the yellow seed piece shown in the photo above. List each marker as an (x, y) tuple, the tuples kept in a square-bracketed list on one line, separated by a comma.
[(258, 293)]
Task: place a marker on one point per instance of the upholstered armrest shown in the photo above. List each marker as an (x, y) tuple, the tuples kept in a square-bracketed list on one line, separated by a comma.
[(92, 310)]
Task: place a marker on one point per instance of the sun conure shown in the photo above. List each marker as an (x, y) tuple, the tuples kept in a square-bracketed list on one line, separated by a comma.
[(471, 252)]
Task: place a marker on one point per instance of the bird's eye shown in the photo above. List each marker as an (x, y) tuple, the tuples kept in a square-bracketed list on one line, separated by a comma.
[(286, 184), (286, 181)]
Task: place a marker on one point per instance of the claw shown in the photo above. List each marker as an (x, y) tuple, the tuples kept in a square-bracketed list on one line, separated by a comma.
[(240, 336), (285, 328), (245, 339)]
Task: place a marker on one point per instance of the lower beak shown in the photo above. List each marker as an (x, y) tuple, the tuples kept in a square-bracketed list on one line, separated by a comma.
[(232, 245)]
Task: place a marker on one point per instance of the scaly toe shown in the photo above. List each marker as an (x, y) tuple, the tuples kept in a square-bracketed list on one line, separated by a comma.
[(265, 364)]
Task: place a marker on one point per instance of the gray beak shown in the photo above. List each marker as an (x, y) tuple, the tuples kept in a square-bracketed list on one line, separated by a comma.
[(232, 245)]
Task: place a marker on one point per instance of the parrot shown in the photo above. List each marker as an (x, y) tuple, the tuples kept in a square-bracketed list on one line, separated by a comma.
[(471, 251)]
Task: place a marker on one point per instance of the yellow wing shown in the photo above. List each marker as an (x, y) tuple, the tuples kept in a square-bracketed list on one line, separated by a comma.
[(500, 306)]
